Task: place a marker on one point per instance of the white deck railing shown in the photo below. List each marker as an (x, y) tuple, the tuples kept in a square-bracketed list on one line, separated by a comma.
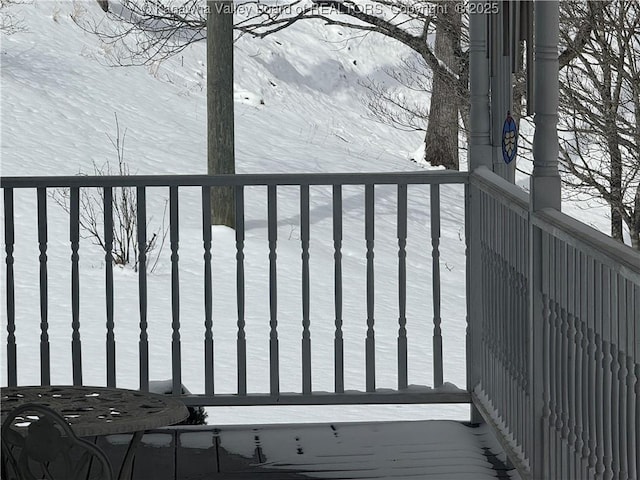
[(174, 185), (553, 344), (500, 282), (557, 340)]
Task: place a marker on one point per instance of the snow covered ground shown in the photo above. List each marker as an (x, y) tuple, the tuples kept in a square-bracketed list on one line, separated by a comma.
[(298, 109)]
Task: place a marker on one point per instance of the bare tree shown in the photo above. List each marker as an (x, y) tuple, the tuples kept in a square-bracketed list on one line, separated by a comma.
[(600, 111), (10, 22), (141, 32), (432, 29), (400, 101), (441, 139), (150, 30), (124, 206)]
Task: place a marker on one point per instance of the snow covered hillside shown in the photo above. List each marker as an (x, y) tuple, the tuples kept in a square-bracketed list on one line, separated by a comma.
[(298, 109)]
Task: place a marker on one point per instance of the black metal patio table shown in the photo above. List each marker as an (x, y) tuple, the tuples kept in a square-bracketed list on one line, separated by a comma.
[(97, 411)]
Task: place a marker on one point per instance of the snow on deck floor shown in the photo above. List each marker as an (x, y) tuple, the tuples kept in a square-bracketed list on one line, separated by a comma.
[(435, 449)]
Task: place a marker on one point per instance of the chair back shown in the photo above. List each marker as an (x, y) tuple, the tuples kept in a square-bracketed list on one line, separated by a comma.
[(37, 443)]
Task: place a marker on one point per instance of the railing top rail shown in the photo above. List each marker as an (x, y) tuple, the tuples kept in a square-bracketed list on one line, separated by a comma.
[(252, 179), (616, 255), (490, 181)]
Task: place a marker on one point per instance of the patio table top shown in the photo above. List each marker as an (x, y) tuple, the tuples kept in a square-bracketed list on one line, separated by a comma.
[(94, 411)]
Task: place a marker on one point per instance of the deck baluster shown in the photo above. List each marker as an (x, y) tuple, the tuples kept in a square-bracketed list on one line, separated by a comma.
[(523, 338), (74, 225), (370, 345), (435, 255), (607, 385), (557, 361), (108, 263), (553, 351), (600, 356), (615, 384), (306, 334), (512, 321), (403, 381), (570, 424), (241, 340), (547, 266), (208, 292), (337, 283), (516, 383), (508, 323), (470, 215), (562, 422), (174, 238), (274, 359), (495, 308), (632, 340), (637, 394), (143, 342), (580, 361), (486, 291), (593, 364), (9, 241), (45, 368), (505, 325), (622, 416), (632, 432), (486, 350)]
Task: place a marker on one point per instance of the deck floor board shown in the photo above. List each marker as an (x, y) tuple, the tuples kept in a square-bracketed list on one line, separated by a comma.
[(430, 450)]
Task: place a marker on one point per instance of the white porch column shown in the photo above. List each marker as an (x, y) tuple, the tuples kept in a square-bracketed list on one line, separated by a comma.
[(501, 87), (480, 136), (545, 192), (545, 181), (479, 155)]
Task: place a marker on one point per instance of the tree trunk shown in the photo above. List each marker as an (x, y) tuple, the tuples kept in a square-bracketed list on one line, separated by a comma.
[(441, 139), (220, 127), (615, 185), (635, 221)]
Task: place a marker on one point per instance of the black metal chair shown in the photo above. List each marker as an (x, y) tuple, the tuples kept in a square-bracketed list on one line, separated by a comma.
[(38, 443)]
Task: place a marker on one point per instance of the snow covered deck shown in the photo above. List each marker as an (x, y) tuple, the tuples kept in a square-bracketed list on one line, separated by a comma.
[(435, 449)]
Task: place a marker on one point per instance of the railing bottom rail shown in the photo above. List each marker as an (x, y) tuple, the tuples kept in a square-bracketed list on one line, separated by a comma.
[(328, 398)]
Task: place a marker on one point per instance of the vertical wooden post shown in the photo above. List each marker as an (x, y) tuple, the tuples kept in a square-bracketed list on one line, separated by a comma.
[(45, 370), (403, 381), (9, 240), (435, 280), (208, 292), (479, 155), (174, 240), (474, 274), (337, 274), (143, 343), (108, 262), (274, 355), (76, 346), (370, 343), (306, 321), (241, 340)]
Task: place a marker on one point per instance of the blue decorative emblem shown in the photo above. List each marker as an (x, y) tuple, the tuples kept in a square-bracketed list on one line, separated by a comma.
[(509, 139)]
